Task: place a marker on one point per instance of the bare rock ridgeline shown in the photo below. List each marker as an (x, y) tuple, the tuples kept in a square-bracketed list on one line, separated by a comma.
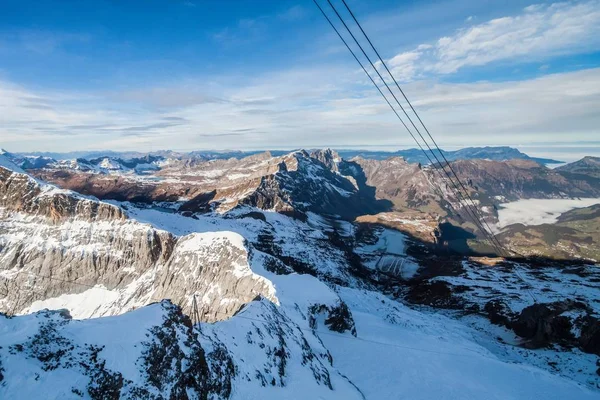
[(54, 243)]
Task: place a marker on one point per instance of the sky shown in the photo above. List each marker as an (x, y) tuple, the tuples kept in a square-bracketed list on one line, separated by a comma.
[(240, 74)]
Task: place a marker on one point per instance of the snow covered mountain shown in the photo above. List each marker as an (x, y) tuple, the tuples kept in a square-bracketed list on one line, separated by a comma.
[(303, 304), (296, 183), (51, 237), (345, 187)]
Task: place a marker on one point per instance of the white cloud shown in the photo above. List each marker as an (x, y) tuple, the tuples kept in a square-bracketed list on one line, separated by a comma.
[(404, 65), (325, 106), (538, 33), (303, 108)]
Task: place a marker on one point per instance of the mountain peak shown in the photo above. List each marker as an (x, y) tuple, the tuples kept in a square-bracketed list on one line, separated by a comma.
[(7, 163), (330, 158), (588, 165), (591, 159)]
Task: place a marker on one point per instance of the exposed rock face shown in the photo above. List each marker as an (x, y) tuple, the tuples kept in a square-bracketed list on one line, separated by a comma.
[(292, 183), (19, 192), (436, 294), (99, 249), (338, 318), (269, 195), (499, 313), (589, 340), (548, 323), (313, 186), (408, 186), (543, 323), (516, 179), (215, 268), (328, 157)]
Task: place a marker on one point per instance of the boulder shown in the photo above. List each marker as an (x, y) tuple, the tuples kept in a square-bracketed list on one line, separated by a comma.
[(542, 323)]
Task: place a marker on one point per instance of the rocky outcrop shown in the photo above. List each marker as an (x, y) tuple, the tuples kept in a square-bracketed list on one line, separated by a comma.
[(269, 195), (568, 323), (337, 318), (328, 157), (19, 192), (589, 339), (546, 323), (499, 313), (215, 268), (164, 359), (96, 249), (437, 294)]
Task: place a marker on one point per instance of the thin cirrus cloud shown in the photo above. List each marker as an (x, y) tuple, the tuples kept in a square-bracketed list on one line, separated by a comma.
[(166, 97), (40, 42), (538, 33), (248, 30)]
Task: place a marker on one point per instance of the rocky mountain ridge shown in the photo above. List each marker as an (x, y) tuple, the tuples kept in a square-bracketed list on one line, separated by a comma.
[(497, 153), (324, 183), (411, 186), (289, 303), (589, 166), (494, 153), (54, 237)]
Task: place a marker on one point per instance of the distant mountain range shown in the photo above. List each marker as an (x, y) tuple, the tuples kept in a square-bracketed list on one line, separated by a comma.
[(497, 153)]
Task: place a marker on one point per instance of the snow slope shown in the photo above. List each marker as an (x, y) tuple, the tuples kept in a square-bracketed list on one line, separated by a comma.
[(419, 356), (323, 335), (275, 353)]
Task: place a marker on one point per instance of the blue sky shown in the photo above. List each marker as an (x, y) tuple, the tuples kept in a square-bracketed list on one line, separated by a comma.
[(148, 75)]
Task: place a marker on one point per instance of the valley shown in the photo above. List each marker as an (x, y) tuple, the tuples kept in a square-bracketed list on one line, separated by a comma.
[(311, 273)]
